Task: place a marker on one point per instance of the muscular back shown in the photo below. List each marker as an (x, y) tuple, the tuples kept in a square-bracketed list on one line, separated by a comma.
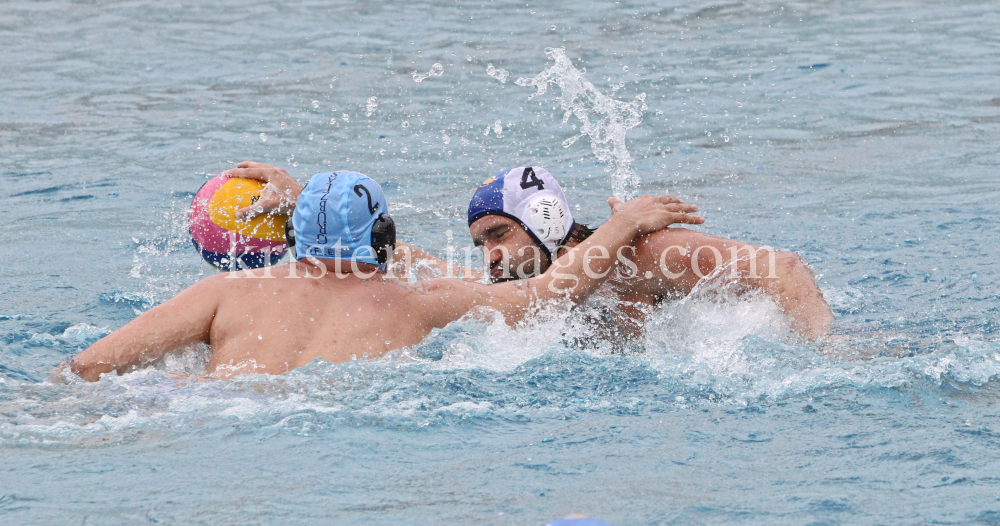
[(271, 325)]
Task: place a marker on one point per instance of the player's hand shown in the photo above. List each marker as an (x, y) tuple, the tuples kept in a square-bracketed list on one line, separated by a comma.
[(651, 213), (280, 191), (58, 373)]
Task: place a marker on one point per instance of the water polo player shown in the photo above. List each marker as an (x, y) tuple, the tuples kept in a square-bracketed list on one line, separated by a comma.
[(336, 301), (525, 207), (522, 220)]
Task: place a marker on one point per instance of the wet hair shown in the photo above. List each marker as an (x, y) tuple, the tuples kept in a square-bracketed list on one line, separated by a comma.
[(580, 232)]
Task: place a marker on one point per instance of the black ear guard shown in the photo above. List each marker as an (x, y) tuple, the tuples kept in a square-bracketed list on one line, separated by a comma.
[(290, 237), (383, 238), (289, 233)]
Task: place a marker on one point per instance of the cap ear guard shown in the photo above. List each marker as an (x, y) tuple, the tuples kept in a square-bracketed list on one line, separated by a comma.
[(383, 238), (290, 236), (548, 219), (289, 233)]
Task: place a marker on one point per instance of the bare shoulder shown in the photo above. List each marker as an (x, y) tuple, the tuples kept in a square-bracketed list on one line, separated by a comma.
[(211, 289), (674, 243), (442, 286), (676, 236)]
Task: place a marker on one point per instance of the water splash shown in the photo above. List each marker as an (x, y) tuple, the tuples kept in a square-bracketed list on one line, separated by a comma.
[(436, 71), (161, 264), (496, 128), (603, 119), (499, 74), (371, 106)]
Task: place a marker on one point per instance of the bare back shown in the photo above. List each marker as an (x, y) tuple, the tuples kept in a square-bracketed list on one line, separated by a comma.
[(272, 325)]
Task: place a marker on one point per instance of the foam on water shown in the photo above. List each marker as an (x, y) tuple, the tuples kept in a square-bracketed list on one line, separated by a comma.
[(712, 349)]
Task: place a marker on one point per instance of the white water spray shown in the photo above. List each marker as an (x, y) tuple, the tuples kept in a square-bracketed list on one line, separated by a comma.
[(436, 71), (604, 119), (499, 74)]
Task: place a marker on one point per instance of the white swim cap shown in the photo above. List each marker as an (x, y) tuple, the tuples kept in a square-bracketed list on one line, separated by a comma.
[(532, 197)]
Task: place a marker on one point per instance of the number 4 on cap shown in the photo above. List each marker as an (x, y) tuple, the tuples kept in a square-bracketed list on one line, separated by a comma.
[(534, 181)]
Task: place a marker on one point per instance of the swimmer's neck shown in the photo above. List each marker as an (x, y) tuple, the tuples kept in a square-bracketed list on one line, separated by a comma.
[(342, 268)]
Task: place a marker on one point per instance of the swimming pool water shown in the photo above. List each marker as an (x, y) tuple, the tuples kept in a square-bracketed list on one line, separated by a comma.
[(864, 137)]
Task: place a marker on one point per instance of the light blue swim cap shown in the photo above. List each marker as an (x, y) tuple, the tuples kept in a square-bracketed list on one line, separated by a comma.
[(334, 216)]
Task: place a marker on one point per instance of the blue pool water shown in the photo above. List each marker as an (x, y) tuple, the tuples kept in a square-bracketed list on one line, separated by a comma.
[(865, 137)]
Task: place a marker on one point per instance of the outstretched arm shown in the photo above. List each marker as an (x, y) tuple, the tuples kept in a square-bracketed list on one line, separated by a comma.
[(406, 255), (184, 319), (575, 275)]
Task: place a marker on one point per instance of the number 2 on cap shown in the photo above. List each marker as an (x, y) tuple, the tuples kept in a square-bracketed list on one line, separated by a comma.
[(358, 189)]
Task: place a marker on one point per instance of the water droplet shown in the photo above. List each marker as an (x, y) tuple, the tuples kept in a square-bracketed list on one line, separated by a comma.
[(315, 104), (499, 74), (263, 137), (371, 106), (552, 28), (260, 336), (436, 71), (406, 124), (346, 117), (624, 68), (333, 122)]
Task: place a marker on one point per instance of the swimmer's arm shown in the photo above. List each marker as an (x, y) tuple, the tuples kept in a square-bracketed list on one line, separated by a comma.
[(406, 255), (282, 190), (575, 275), (796, 291), (678, 258), (183, 320)]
